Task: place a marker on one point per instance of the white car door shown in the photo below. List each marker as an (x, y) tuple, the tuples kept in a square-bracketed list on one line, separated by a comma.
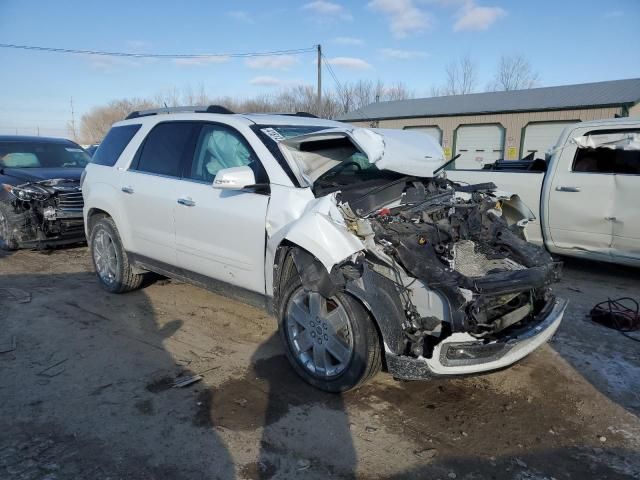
[(149, 190), (580, 203), (625, 220), (220, 233)]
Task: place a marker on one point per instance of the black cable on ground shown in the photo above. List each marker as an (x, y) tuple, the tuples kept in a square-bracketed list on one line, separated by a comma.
[(622, 314)]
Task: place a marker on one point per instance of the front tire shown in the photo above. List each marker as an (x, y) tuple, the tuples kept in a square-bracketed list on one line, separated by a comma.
[(331, 343), (110, 260)]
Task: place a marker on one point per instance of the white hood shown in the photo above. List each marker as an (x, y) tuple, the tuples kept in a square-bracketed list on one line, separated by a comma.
[(402, 151)]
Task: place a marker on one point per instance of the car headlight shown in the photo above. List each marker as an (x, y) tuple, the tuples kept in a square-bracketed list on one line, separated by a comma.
[(26, 192)]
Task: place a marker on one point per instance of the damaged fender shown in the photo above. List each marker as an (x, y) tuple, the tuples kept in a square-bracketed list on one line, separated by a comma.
[(321, 231)]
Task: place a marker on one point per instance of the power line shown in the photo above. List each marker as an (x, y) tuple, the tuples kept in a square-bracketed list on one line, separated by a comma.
[(294, 51), (332, 73)]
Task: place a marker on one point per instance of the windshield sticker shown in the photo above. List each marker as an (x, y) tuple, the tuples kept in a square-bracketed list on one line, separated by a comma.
[(272, 134), (74, 150)]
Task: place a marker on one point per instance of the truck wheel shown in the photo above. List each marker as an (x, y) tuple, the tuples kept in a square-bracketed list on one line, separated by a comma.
[(331, 343), (110, 259), (8, 238)]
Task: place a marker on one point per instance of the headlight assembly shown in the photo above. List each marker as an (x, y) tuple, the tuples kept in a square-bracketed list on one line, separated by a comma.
[(26, 192)]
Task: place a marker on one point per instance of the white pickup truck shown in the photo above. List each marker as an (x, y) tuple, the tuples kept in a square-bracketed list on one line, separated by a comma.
[(585, 197)]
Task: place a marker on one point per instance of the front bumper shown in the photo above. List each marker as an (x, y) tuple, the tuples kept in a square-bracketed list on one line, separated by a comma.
[(65, 229), (462, 354)]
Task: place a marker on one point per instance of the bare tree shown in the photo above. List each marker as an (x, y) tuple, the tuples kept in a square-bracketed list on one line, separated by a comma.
[(300, 98), (95, 124), (461, 78), (514, 73)]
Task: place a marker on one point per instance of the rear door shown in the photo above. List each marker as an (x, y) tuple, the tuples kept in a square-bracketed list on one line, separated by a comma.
[(221, 234), (626, 199), (478, 145), (149, 189)]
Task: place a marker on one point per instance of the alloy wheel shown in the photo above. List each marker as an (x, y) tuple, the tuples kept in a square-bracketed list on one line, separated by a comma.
[(319, 333)]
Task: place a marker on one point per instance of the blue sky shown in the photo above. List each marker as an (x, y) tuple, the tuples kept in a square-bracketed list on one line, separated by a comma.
[(393, 40)]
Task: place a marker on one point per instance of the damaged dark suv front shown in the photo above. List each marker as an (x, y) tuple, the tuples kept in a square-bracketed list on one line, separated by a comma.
[(40, 196)]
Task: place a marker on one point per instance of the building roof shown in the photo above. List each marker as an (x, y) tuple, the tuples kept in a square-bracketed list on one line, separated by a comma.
[(585, 95)]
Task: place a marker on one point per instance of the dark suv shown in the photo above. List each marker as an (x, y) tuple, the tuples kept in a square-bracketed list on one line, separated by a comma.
[(40, 197)]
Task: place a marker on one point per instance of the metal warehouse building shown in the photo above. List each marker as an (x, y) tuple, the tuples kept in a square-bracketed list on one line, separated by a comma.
[(483, 127)]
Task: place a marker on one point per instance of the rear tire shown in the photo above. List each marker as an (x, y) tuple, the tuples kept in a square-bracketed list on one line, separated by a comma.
[(8, 237), (358, 347), (110, 260)]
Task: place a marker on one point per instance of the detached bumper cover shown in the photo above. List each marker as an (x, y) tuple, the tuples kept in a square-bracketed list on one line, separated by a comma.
[(460, 354)]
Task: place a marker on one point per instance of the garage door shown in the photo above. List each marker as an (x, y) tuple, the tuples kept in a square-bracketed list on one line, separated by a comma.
[(435, 132), (478, 145), (540, 137)]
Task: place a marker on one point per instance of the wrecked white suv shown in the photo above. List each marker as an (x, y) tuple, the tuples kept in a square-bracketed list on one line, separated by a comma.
[(365, 253)]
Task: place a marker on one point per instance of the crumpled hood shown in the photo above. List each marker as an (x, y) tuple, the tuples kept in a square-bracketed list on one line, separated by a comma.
[(23, 175), (402, 151)]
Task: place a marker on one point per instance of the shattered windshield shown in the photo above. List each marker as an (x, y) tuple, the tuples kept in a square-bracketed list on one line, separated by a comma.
[(340, 162), (42, 155)]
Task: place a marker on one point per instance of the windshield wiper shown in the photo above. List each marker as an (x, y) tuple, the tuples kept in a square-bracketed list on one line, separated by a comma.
[(445, 165)]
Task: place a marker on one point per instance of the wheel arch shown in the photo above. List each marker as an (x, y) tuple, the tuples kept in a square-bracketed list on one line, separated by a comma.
[(319, 278)]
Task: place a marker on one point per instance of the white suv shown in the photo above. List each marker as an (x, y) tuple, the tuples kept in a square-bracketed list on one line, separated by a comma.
[(366, 254)]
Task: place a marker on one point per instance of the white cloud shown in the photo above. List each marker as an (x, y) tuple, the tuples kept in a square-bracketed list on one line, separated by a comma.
[(272, 62), (614, 14), (349, 41), (271, 82), (107, 64), (349, 63), (266, 81), (200, 62), (473, 17), (138, 45), (397, 54), (405, 17), (328, 9), (241, 16)]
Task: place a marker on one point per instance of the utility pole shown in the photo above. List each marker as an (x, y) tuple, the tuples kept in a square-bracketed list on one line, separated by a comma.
[(73, 122), (319, 78)]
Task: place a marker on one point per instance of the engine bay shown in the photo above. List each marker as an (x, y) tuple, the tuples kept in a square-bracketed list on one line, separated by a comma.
[(461, 241)]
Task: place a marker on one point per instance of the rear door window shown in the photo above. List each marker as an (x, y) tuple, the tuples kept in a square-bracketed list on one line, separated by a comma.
[(165, 148), (114, 144)]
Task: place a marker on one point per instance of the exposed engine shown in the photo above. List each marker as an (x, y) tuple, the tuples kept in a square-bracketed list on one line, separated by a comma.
[(49, 211), (456, 240)]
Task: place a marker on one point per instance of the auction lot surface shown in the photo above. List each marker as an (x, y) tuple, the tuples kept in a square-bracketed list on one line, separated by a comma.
[(86, 392)]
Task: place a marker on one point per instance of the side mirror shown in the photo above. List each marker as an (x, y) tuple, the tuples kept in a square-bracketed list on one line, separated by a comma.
[(234, 178)]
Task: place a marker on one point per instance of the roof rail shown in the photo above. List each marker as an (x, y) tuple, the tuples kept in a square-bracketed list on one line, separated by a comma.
[(198, 109)]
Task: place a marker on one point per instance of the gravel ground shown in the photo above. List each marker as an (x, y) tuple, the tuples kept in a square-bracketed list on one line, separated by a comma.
[(86, 392)]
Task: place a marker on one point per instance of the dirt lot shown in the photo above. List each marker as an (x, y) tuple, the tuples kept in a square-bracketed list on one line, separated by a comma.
[(85, 393)]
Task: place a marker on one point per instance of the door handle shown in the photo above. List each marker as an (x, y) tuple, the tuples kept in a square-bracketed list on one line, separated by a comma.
[(611, 219), (127, 189), (567, 189), (187, 202)]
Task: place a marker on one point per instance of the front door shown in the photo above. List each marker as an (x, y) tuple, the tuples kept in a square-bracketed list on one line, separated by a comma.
[(580, 203), (221, 233)]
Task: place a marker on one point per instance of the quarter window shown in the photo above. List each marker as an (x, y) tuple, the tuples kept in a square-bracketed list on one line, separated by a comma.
[(165, 147), (113, 144)]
